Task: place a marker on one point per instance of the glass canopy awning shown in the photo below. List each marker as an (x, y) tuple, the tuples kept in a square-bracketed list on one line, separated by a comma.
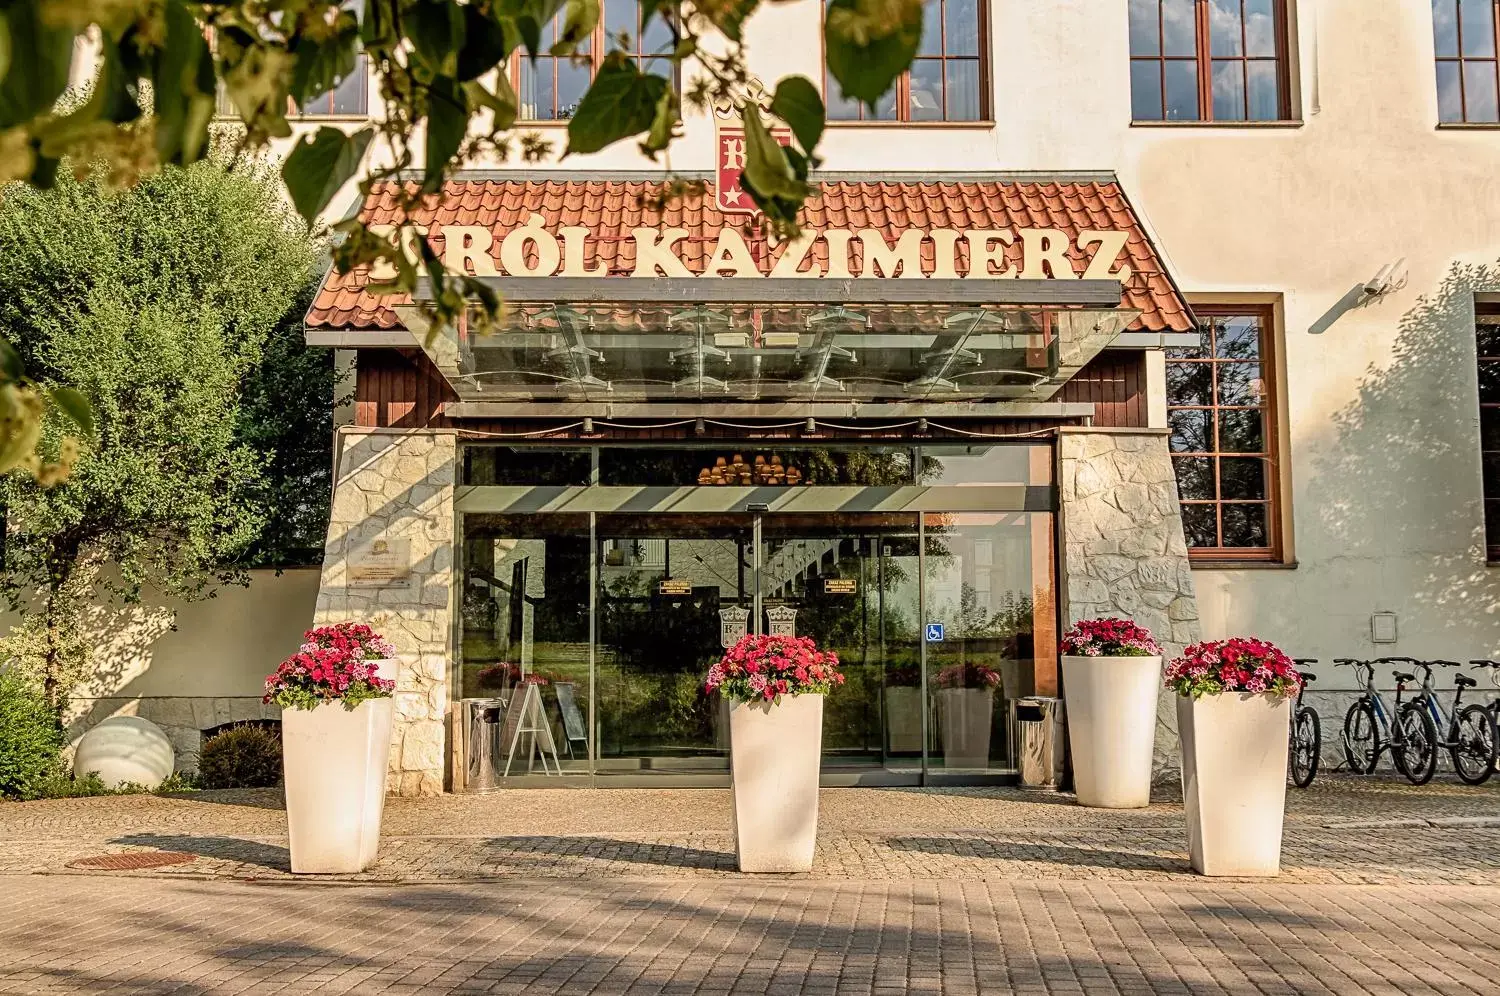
[(742, 341)]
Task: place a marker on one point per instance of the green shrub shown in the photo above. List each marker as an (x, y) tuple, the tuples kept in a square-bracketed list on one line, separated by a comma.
[(30, 738), (240, 757), (59, 784)]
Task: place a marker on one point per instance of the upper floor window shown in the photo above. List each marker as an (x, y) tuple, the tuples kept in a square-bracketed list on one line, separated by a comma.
[(947, 80), (1463, 34), (1487, 336), (1208, 60), (1221, 410), (350, 97), (550, 87)]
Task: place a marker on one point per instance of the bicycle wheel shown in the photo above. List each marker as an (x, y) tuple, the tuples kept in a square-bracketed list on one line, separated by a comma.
[(1473, 750), (1307, 744), (1415, 750), (1361, 738)]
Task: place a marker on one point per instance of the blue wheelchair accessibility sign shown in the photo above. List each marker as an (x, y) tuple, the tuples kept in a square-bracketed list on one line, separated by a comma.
[(934, 632)]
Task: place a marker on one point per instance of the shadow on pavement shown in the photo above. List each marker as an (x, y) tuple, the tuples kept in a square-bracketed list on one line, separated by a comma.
[(250, 852)]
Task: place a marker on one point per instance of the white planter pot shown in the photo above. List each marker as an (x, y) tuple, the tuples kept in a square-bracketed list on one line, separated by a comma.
[(388, 668), (334, 762), (903, 720), (1111, 710), (774, 753), (966, 715), (1234, 757)]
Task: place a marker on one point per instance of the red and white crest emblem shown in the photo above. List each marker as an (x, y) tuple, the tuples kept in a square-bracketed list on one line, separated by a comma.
[(729, 140)]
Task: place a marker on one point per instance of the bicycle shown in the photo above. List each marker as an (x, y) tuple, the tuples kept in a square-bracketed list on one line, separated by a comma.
[(1307, 733), (1369, 729), (1470, 730), (1493, 667)]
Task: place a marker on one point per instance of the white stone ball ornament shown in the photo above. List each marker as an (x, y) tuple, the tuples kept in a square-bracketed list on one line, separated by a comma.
[(125, 749)]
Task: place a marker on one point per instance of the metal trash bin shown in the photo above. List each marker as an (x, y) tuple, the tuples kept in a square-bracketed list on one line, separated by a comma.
[(483, 720), (1039, 741)]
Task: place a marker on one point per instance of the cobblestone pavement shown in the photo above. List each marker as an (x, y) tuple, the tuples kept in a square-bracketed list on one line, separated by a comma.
[(188, 938), (1344, 831)]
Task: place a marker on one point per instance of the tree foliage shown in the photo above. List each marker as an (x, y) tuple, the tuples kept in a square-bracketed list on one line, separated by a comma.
[(157, 304)]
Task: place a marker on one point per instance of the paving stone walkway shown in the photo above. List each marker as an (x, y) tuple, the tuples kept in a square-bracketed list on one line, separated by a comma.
[(187, 938), (1344, 831)]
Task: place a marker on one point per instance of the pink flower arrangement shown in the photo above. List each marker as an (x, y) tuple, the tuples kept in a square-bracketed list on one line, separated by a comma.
[(1109, 638), (1236, 665), (967, 676), (764, 668), (335, 664)]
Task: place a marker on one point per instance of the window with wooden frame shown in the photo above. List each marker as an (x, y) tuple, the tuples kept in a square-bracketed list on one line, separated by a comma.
[(1468, 72), (1209, 60), (550, 86), (1221, 408), (349, 99), (1487, 342), (947, 81)]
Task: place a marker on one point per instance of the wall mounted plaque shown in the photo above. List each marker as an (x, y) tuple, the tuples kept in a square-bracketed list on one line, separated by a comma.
[(840, 586), (380, 563), (674, 587)]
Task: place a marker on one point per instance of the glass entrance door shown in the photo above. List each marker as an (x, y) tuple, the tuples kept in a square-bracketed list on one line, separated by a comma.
[(672, 590), (850, 581)]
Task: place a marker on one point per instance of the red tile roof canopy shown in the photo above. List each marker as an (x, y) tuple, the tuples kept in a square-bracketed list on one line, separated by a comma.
[(610, 209)]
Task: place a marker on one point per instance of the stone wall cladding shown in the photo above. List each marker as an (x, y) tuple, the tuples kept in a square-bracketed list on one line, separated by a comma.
[(1123, 548), (396, 485)]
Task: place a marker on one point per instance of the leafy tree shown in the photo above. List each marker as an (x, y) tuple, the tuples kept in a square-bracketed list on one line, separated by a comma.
[(156, 75), (156, 303)]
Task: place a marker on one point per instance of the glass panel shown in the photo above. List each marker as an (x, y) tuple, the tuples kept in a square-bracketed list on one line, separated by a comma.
[(535, 465), (1195, 477), (1179, 25), (1237, 338), (1145, 28), (1182, 90), (1487, 332), (1192, 430), (1491, 470), (1265, 91), (1190, 384), (524, 646), (1477, 22), (1450, 93), (932, 28), (1229, 90), (961, 20), (1200, 525), (1225, 29), (348, 97), (1245, 526), (620, 18), (1492, 529), (536, 89), (572, 82), (840, 108), (993, 464), (927, 89), (1260, 28), (1489, 430), (1445, 27), (1242, 430), (885, 107), (1145, 90), (657, 37), (850, 583), (1480, 105), (1489, 383), (979, 584), (733, 464), (1239, 383), (663, 581), (963, 90), (1242, 478)]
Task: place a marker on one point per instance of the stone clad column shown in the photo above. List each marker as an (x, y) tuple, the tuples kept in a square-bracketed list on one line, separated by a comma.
[(397, 486), (1123, 548)]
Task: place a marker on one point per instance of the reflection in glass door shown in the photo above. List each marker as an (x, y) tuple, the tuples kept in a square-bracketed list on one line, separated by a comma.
[(672, 590), (850, 582)]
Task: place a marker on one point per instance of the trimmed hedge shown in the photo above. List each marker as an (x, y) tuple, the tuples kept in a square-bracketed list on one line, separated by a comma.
[(240, 757)]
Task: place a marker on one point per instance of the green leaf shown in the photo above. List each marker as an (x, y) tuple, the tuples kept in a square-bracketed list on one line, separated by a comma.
[(258, 76), (798, 104), (182, 106), (664, 125), (40, 56), (319, 165), (447, 123), (11, 367), (436, 31), (578, 25), (729, 16), (487, 43), (869, 43), (74, 405), (767, 168), (323, 62), (622, 102), (502, 102)]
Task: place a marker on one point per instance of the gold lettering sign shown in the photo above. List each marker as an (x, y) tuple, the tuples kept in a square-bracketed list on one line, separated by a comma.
[(534, 250), (674, 586), (380, 563), (840, 586)]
